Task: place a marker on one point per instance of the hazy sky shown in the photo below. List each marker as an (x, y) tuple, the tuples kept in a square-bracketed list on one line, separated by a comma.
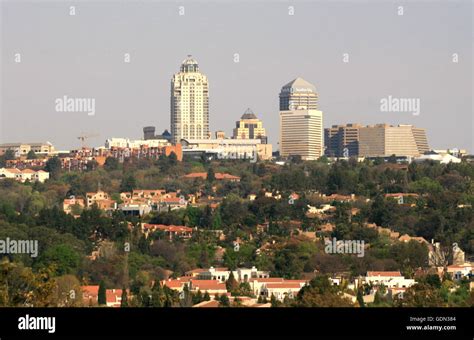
[(407, 56)]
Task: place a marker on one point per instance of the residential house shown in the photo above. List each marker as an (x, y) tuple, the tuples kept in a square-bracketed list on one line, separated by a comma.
[(389, 279), (72, 201), (171, 231), (24, 175)]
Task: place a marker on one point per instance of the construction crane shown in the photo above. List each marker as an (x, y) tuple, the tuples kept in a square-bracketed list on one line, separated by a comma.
[(83, 137)]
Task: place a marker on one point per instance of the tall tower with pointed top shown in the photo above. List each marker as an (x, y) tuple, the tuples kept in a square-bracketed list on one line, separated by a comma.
[(189, 103), (298, 94)]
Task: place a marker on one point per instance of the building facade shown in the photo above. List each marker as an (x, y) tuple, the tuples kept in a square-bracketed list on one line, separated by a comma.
[(301, 124), (301, 134), (249, 127), (342, 140), (226, 148), (189, 103), (383, 140), (22, 149), (24, 175), (298, 93)]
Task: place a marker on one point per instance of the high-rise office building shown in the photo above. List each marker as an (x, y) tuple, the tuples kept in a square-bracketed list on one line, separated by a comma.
[(298, 93), (249, 127), (301, 124), (342, 140), (189, 103), (383, 140)]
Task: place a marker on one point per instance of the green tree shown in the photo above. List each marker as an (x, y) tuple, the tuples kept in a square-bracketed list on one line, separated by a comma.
[(128, 183), (224, 301), (172, 159), (102, 295), (53, 166), (9, 155), (31, 155), (231, 284), (274, 301), (111, 163), (211, 176), (124, 301), (20, 286), (206, 297), (420, 295), (63, 256), (433, 280), (321, 293), (360, 297)]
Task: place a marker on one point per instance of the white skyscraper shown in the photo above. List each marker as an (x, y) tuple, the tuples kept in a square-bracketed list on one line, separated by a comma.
[(189, 103), (301, 124)]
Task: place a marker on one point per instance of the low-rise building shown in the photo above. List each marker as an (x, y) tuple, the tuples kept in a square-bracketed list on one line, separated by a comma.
[(172, 203), (94, 197), (389, 279), (69, 203), (170, 231), (240, 274), (212, 287), (22, 149), (278, 287), (130, 209), (459, 271), (225, 148), (90, 296), (24, 175)]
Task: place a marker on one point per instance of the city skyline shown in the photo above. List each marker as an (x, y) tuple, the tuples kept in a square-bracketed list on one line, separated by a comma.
[(123, 108)]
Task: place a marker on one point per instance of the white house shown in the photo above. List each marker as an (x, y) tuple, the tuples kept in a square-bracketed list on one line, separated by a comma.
[(277, 286), (287, 288), (240, 274), (460, 271), (389, 279), (24, 175)]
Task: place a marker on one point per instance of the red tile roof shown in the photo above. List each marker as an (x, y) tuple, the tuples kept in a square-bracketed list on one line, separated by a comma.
[(197, 270), (174, 283), (169, 228), (283, 285), (268, 279), (112, 295), (218, 175), (173, 200), (401, 194), (382, 273), (13, 170), (91, 290), (204, 285), (225, 176)]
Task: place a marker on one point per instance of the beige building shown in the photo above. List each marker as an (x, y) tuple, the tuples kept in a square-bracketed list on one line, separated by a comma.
[(301, 124), (22, 149), (24, 175), (134, 144), (226, 148), (298, 93), (383, 140), (249, 127), (301, 134), (189, 103), (95, 197)]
